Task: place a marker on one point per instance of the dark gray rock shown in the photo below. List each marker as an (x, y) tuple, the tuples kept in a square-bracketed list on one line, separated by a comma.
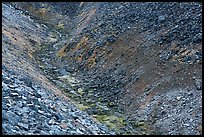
[(58, 116), (27, 80)]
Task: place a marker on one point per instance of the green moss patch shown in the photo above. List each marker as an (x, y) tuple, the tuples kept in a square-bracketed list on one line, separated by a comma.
[(59, 26), (112, 121)]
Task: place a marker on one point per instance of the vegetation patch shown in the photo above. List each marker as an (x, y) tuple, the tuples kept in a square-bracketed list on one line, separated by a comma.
[(61, 53), (91, 62), (82, 106), (111, 121), (80, 91), (59, 26), (82, 43)]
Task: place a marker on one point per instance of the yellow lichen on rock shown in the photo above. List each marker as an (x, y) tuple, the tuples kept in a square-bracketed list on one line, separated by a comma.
[(61, 53), (42, 12), (59, 26), (91, 62), (82, 43)]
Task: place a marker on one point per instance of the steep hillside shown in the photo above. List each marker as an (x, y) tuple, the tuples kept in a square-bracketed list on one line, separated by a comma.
[(31, 104), (136, 67)]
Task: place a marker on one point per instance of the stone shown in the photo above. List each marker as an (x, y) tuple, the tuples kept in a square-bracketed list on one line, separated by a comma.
[(39, 100), (55, 130), (27, 80), (29, 105), (25, 126), (161, 18), (24, 98), (4, 87), (25, 120), (8, 105), (178, 98), (197, 38), (24, 110), (12, 118), (7, 97), (186, 125), (6, 128), (79, 132), (58, 116), (41, 112), (13, 86), (63, 124), (51, 121), (198, 83), (7, 80), (14, 94), (37, 95), (111, 38), (64, 109), (43, 132), (80, 91)]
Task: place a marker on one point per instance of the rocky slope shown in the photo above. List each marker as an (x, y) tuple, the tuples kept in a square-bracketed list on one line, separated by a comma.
[(31, 105), (136, 67)]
